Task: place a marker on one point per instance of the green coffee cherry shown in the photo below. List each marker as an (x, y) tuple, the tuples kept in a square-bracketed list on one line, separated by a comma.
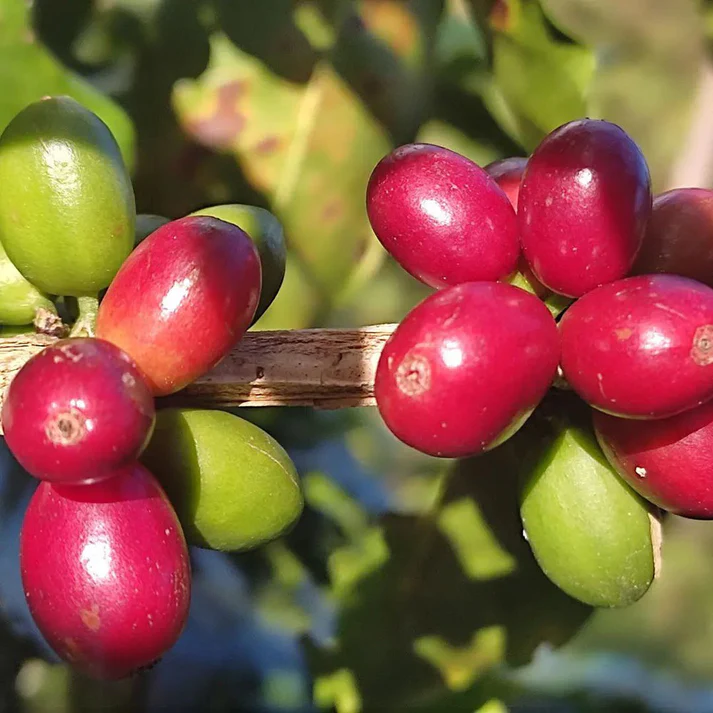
[(146, 223), (592, 535), (67, 209), (233, 486), (19, 299), (266, 232)]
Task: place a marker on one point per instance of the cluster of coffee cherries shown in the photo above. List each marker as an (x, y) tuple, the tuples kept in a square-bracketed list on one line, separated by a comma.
[(125, 489), (560, 268)]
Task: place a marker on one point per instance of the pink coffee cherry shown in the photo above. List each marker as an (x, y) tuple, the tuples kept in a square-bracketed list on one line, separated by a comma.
[(106, 572), (583, 206), (466, 367), (77, 411), (641, 347), (442, 217)]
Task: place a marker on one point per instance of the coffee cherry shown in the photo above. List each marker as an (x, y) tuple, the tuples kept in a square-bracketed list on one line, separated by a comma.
[(265, 230), (20, 301), (507, 173), (641, 347), (182, 300), (679, 236), (77, 411), (583, 206), (590, 532), (232, 485), (67, 210), (667, 461), (441, 217), (466, 367), (106, 572)]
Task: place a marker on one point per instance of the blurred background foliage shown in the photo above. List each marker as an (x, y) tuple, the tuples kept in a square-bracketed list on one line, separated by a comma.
[(407, 585)]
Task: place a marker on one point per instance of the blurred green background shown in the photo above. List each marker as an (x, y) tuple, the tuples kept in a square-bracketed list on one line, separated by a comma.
[(407, 585)]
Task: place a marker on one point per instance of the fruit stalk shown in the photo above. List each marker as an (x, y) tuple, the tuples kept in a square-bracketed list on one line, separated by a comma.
[(323, 368)]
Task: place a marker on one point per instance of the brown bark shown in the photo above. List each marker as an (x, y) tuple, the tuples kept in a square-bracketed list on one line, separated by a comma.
[(324, 368)]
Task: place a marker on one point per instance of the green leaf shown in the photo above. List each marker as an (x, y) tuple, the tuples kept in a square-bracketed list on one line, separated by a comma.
[(540, 79), (28, 72), (385, 52), (649, 81), (433, 604), (309, 147), (307, 124)]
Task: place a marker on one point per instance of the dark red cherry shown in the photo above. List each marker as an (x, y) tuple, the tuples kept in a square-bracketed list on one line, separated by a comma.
[(679, 236), (667, 461), (466, 367), (77, 411), (507, 173), (583, 206)]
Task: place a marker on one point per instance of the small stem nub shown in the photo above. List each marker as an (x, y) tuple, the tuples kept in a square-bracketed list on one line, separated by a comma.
[(86, 323), (49, 322)]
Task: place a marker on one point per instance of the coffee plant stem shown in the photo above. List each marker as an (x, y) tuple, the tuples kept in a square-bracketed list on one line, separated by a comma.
[(85, 326), (323, 368)]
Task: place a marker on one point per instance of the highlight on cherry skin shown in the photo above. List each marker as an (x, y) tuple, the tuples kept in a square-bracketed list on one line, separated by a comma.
[(583, 205), (442, 217), (641, 347), (105, 571), (466, 367), (77, 411), (667, 461)]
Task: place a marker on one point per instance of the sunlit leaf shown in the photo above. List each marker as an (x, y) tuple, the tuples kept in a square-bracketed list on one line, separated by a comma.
[(452, 594), (28, 72), (540, 78)]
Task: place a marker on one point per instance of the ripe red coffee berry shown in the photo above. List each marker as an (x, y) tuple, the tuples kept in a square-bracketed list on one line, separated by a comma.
[(182, 300), (507, 173), (106, 572), (583, 206), (77, 411), (441, 217), (679, 236), (667, 461), (466, 367), (641, 347)]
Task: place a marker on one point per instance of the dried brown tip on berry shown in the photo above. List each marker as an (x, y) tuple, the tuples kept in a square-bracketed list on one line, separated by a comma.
[(49, 323)]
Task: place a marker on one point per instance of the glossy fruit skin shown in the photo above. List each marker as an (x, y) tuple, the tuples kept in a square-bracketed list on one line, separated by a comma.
[(265, 230), (466, 367), (507, 173), (641, 347), (182, 300), (590, 532), (67, 207), (583, 206), (106, 572), (19, 299), (441, 217), (667, 461), (77, 411), (679, 236), (233, 486)]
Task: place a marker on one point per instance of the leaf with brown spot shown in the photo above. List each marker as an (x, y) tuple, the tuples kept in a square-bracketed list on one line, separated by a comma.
[(310, 146)]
